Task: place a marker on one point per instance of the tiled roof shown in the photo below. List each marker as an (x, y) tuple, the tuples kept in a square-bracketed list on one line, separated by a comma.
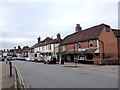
[(116, 32), (25, 49), (46, 42), (87, 34), (35, 46)]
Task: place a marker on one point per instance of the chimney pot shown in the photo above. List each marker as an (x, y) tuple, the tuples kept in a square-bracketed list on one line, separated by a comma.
[(39, 39)]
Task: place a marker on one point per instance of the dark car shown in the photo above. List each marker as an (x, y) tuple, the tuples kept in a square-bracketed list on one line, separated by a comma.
[(2, 59)]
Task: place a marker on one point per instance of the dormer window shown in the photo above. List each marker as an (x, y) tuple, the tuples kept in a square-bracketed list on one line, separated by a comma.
[(90, 43), (107, 28)]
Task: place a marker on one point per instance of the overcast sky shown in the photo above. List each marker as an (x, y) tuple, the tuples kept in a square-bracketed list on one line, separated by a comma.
[(23, 21)]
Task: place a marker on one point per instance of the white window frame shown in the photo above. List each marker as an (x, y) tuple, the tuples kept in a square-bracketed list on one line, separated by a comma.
[(64, 48), (79, 45), (90, 42)]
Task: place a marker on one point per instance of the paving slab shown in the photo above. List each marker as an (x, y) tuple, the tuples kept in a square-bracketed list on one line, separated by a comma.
[(7, 81)]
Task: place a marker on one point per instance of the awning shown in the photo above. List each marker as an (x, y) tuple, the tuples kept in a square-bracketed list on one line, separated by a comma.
[(61, 52)]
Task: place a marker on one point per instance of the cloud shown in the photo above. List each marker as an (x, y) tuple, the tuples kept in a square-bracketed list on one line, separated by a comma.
[(22, 21)]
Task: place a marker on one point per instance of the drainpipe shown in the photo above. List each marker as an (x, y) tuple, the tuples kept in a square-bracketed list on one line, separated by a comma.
[(118, 46), (54, 49), (102, 48), (74, 50)]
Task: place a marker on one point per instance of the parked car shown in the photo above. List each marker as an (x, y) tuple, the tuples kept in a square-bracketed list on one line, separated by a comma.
[(27, 59), (14, 58), (50, 60), (39, 59), (2, 59)]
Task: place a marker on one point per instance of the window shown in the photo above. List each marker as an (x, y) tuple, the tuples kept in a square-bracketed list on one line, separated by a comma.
[(64, 48), (43, 48), (107, 28), (90, 43), (79, 45), (49, 47)]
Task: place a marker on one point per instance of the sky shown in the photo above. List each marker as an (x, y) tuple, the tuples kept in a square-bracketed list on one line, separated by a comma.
[(23, 21)]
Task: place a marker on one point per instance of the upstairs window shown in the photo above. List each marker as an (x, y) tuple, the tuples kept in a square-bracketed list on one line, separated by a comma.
[(79, 45), (49, 47), (90, 43), (64, 48), (43, 48)]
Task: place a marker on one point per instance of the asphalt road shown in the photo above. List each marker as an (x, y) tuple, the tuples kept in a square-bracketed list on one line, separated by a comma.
[(39, 75)]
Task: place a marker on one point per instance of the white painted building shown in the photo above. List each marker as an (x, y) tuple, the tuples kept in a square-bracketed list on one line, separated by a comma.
[(47, 47)]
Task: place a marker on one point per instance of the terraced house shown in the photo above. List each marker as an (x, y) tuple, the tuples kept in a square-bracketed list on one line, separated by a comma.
[(98, 44), (47, 47)]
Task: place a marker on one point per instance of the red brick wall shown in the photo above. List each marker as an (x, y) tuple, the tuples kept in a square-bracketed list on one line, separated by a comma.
[(84, 44), (75, 45), (96, 60), (95, 43), (70, 47), (110, 44)]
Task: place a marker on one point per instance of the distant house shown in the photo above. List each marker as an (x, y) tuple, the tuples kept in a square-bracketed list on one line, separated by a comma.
[(47, 47), (1, 53), (94, 44), (15, 51), (24, 51)]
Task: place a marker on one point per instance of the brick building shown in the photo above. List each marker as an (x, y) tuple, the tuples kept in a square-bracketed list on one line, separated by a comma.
[(95, 44)]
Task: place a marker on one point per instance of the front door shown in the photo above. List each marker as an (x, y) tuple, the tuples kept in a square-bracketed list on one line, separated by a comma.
[(72, 58)]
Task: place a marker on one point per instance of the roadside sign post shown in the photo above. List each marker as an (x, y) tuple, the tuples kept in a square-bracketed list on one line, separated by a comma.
[(10, 64)]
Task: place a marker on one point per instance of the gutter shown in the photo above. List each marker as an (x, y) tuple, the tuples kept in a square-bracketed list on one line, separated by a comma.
[(19, 82)]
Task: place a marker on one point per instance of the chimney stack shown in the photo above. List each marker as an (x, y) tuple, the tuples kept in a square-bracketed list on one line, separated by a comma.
[(39, 39), (58, 36), (19, 47), (14, 47), (78, 28)]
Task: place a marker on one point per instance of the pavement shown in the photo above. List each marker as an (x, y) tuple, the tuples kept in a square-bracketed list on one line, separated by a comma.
[(111, 69), (5, 80)]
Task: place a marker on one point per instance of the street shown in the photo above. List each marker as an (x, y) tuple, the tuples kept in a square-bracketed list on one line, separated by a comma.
[(0, 75), (38, 75)]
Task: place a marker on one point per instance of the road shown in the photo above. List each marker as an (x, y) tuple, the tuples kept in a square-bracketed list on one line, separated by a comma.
[(39, 75), (0, 75)]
